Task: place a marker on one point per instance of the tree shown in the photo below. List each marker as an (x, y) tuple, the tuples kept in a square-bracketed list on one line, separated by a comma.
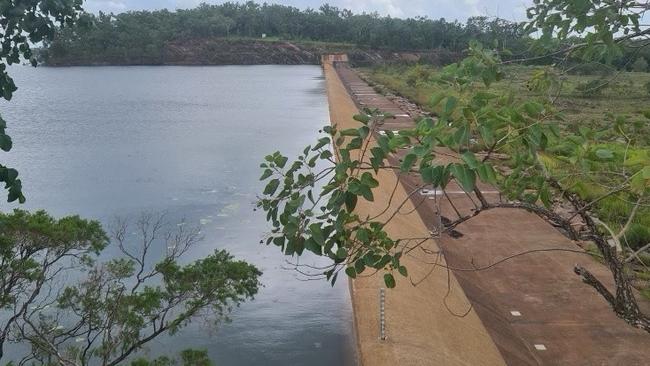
[(24, 23), (313, 209), (34, 249), (122, 304), (640, 65), (189, 357), (139, 37), (113, 308)]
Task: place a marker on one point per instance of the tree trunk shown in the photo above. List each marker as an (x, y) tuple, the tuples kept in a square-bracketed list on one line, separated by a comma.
[(623, 302)]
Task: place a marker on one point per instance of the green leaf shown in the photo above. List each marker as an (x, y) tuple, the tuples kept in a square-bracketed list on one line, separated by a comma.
[(384, 143), (408, 162), (351, 272), (486, 134), (533, 109), (281, 161), (432, 175), (363, 235), (389, 280), (370, 259), (469, 114), (383, 261), (364, 132), (355, 144), (10, 176), (321, 142), (377, 158), (535, 135), (369, 180), (465, 176), (604, 154), (312, 246), (326, 154), (363, 118), (450, 105), (402, 270), (436, 99), (333, 281), (486, 174), (290, 229), (317, 234), (271, 187), (354, 186), (367, 193), (5, 142), (267, 173), (427, 174), (359, 266), (350, 132), (461, 136), (421, 150), (398, 142), (469, 159), (350, 201)]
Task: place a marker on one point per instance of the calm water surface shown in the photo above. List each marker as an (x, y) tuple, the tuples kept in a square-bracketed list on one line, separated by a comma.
[(109, 141)]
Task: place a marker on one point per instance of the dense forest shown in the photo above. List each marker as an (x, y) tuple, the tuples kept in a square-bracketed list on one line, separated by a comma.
[(224, 34), (141, 37)]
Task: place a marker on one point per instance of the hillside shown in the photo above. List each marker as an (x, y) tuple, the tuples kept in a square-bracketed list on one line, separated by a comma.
[(242, 51), (251, 33)]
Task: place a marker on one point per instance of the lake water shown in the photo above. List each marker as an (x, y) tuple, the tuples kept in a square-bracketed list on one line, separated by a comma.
[(108, 141)]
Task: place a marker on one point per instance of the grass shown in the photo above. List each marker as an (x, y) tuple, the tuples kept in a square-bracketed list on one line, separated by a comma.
[(626, 95), (646, 293), (304, 42)]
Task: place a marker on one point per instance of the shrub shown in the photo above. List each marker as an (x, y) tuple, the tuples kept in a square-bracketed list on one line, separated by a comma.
[(591, 88), (640, 65), (411, 79), (417, 74), (188, 357), (647, 87), (637, 236), (591, 68)]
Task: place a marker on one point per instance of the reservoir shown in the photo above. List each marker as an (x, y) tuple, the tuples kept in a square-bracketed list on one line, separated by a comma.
[(118, 141)]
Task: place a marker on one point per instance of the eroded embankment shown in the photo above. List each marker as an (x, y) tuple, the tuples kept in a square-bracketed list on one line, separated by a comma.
[(420, 328), (233, 51)]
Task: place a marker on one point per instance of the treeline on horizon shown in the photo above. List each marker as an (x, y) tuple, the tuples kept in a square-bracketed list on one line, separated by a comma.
[(141, 36)]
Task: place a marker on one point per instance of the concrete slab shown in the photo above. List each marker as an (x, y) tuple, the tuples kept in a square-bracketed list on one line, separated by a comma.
[(420, 330), (535, 309)]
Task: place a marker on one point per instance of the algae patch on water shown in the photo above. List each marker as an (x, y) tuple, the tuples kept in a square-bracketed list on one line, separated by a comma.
[(229, 210)]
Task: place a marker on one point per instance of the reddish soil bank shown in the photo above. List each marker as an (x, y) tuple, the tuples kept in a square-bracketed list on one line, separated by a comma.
[(225, 51)]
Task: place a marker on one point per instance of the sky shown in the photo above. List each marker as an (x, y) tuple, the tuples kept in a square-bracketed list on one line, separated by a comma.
[(448, 9)]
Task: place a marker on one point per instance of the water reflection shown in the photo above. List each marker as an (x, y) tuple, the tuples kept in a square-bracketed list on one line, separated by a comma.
[(186, 140)]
